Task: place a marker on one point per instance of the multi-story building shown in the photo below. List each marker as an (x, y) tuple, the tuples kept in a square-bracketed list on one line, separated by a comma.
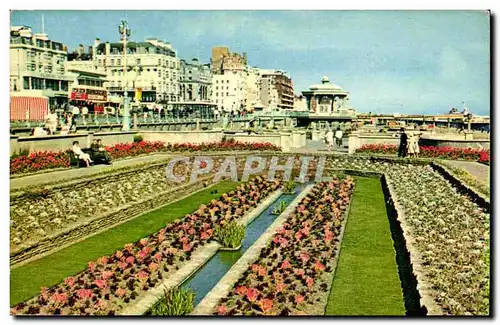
[(37, 66), (276, 91), (223, 59), (153, 69), (196, 81), (253, 88), (229, 90)]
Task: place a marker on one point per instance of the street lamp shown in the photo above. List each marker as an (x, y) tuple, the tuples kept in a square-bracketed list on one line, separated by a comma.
[(125, 32)]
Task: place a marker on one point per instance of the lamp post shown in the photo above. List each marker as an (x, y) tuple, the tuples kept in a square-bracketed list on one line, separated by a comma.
[(125, 32)]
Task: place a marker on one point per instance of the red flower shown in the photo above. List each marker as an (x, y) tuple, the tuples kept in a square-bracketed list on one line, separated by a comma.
[(84, 293), (120, 292), (309, 282), (318, 266), (280, 287), (186, 247), (157, 256), (100, 283)]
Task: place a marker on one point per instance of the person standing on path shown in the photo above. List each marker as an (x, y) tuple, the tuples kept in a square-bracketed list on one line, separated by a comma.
[(338, 137), (403, 144), (329, 139)]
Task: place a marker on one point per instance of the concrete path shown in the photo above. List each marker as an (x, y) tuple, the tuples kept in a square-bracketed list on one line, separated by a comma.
[(74, 173), (319, 146), (480, 171)]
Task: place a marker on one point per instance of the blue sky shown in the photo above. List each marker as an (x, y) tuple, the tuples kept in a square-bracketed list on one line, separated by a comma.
[(390, 61)]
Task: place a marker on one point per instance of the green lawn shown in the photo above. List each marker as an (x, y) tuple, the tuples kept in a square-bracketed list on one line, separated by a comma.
[(366, 281), (26, 280)]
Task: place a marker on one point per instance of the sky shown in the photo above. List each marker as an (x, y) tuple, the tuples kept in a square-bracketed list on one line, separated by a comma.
[(389, 61)]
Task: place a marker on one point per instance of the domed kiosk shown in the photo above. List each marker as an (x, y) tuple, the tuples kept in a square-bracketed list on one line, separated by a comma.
[(326, 98)]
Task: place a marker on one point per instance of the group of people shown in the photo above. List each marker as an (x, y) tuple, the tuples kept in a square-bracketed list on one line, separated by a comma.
[(98, 153), (334, 139), (408, 144)]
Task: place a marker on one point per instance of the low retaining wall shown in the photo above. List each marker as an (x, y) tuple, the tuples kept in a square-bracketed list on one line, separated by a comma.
[(101, 223), (414, 282)]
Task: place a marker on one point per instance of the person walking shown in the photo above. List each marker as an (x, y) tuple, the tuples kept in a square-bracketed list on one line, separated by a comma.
[(403, 144)]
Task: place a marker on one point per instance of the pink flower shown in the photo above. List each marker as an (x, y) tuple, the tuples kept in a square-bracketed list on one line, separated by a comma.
[(122, 265), (69, 281), (184, 240), (142, 254), (191, 231), (92, 266), (298, 235), (143, 241), (300, 272), (318, 266), (286, 264), (120, 292), (205, 226), (283, 242), (130, 260), (299, 299), (60, 298), (309, 282), (103, 260), (158, 257), (186, 247), (276, 239), (100, 304), (304, 257), (221, 310), (84, 293), (252, 294), (255, 268), (142, 275), (280, 287), (262, 271), (107, 274), (100, 283), (204, 235)]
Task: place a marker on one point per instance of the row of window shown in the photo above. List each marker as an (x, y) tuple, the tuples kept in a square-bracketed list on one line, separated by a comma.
[(42, 84), (138, 61)]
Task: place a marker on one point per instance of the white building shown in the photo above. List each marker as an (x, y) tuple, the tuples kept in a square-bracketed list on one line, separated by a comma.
[(153, 69), (253, 88), (299, 103), (229, 90), (196, 81), (37, 65)]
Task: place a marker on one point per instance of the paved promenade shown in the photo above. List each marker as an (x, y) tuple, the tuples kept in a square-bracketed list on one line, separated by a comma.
[(480, 171), (74, 173)]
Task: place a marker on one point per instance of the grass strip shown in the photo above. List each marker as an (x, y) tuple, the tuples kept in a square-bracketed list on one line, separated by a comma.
[(366, 281), (26, 280)]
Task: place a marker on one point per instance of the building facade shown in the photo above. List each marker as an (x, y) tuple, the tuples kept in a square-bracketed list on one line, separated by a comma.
[(152, 70), (229, 91), (222, 59), (37, 65), (276, 90), (253, 88), (196, 81), (299, 103)]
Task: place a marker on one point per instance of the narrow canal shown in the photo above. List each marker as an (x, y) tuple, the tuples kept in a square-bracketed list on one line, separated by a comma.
[(210, 274)]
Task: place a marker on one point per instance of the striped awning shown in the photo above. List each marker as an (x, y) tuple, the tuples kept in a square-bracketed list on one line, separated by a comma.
[(28, 108)]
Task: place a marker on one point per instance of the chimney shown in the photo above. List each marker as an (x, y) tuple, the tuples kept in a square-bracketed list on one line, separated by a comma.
[(107, 49)]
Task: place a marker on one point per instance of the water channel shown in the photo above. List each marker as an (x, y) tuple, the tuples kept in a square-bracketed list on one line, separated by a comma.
[(212, 272)]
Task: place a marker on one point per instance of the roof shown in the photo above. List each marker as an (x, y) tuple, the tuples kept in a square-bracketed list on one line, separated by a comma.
[(326, 85)]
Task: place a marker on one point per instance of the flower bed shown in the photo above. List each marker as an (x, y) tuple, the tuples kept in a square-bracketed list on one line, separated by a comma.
[(451, 233), (111, 282), (289, 275), (482, 155), (43, 160)]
